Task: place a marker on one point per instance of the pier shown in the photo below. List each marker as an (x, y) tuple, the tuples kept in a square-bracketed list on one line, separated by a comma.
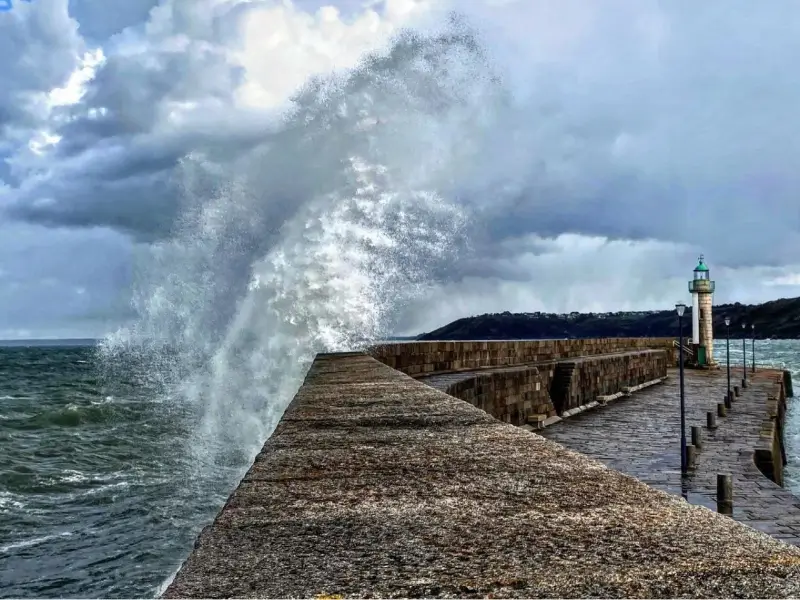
[(377, 484)]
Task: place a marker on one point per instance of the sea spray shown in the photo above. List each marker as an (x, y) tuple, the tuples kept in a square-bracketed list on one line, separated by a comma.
[(312, 241)]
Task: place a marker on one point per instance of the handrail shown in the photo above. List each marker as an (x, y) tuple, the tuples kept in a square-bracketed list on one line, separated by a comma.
[(686, 349)]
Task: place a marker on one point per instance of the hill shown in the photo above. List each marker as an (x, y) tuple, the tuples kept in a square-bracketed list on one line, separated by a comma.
[(778, 319)]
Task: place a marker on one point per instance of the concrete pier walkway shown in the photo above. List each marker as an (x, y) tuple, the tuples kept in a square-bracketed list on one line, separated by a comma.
[(640, 436), (376, 485)]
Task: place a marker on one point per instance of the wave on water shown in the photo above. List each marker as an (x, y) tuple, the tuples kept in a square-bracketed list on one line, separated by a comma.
[(27, 543), (314, 240)]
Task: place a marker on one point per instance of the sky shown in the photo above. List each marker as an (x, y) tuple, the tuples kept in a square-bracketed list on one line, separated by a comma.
[(606, 146)]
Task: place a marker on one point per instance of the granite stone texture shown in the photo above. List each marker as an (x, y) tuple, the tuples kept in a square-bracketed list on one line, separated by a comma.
[(528, 395), (429, 358), (376, 485)]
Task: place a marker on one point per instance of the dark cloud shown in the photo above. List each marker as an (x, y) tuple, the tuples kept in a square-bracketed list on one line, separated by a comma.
[(672, 128), (40, 47), (655, 122)]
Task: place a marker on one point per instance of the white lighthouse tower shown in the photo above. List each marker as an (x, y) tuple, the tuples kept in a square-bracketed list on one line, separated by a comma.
[(702, 289)]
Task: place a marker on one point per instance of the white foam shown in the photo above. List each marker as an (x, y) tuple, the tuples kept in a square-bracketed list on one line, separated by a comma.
[(72, 476), (166, 583), (313, 241), (10, 501), (7, 549)]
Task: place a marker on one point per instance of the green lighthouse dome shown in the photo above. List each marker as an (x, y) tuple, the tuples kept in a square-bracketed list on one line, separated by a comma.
[(701, 266)]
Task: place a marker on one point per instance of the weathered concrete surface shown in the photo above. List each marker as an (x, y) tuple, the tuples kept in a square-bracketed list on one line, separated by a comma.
[(375, 484), (641, 437)]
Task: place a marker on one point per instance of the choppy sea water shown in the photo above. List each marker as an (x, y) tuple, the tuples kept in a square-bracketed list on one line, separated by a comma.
[(98, 493), (99, 496)]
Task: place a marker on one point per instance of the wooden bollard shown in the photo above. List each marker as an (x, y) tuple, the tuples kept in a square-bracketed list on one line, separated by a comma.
[(736, 391), (724, 494), (721, 410), (697, 437), (691, 456), (711, 420)]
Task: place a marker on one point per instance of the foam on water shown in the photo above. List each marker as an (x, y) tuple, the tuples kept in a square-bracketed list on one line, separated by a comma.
[(27, 543)]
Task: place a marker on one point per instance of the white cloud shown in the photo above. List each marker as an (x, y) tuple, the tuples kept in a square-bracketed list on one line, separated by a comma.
[(667, 124), (282, 46)]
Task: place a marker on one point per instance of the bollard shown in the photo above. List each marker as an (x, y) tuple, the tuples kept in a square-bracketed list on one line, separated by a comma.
[(691, 456), (721, 410), (736, 391), (726, 400), (730, 398), (711, 420), (724, 494), (744, 383), (697, 437)]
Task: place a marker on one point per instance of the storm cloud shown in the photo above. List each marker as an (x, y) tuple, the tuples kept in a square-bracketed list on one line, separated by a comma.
[(616, 142)]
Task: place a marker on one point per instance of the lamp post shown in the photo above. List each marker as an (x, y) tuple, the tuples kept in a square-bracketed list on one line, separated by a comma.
[(744, 354), (680, 308), (753, 352), (728, 357)]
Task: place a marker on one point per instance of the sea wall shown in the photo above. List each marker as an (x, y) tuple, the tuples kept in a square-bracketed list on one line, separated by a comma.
[(608, 375), (515, 396), (530, 395), (374, 484), (428, 358), (770, 453)]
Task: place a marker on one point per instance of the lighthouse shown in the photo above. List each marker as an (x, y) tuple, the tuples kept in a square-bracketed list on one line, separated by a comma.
[(702, 289)]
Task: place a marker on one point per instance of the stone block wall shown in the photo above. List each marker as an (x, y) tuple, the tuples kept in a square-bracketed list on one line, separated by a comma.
[(511, 396), (517, 396), (770, 453), (611, 374), (428, 358)]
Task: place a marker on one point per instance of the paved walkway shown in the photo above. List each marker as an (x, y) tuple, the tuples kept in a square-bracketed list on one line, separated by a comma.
[(640, 436)]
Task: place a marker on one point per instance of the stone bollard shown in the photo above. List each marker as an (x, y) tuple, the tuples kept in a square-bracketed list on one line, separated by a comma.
[(697, 437), (711, 420), (726, 400), (736, 391), (724, 494), (721, 410), (744, 383), (691, 456), (730, 398)]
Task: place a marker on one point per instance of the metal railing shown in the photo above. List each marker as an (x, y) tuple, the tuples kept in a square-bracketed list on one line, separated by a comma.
[(687, 350)]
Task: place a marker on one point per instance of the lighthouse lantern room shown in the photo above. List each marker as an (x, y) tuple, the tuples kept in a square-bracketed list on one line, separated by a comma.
[(702, 290)]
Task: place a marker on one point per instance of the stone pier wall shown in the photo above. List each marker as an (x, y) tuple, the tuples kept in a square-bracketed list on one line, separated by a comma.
[(523, 395), (429, 358), (374, 484), (770, 454), (607, 375), (513, 396)]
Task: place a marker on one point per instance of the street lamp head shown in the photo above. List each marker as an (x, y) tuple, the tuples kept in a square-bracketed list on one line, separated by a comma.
[(727, 321), (752, 326), (744, 325), (679, 308)]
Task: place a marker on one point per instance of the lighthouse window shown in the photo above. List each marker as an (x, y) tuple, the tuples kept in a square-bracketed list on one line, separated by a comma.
[(702, 315)]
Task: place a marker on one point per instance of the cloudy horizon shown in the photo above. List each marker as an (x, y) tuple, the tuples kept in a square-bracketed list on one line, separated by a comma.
[(604, 151)]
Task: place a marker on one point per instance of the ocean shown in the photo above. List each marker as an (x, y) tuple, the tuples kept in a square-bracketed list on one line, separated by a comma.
[(101, 493)]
